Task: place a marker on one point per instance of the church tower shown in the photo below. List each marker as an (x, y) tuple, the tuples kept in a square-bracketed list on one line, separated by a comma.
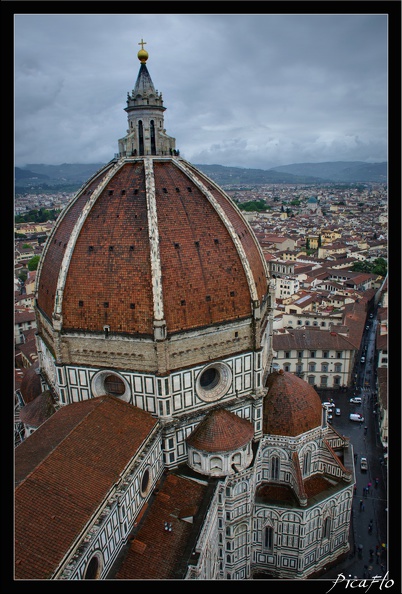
[(146, 134)]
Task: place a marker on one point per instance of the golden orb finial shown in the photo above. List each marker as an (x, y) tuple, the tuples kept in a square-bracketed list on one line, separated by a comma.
[(142, 54)]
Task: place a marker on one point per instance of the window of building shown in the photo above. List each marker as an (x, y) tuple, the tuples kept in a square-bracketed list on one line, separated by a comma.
[(93, 569), (268, 538), (311, 366), (325, 354), (275, 468), (300, 354), (326, 531), (114, 385), (145, 482), (306, 463), (312, 353), (311, 380), (338, 367), (324, 367), (324, 380), (287, 354), (338, 354), (286, 368)]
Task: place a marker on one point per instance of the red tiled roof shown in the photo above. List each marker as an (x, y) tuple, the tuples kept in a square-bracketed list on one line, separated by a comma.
[(291, 406), (309, 338), (316, 484), (24, 315), (53, 502), (31, 385), (221, 431), (277, 493), (36, 412), (156, 554)]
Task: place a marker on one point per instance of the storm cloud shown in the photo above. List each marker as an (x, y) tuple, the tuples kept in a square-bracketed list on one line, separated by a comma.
[(246, 90)]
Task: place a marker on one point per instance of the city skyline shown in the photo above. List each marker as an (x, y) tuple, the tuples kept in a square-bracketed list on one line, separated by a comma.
[(240, 90)]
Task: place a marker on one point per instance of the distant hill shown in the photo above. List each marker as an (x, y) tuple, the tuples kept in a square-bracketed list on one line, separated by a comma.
[(26, 175), (56, 174), (71, 176), (238, 176), (339, 171)]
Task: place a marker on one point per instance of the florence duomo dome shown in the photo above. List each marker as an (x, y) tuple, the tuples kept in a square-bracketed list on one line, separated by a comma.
[(171, 437), (149, 252)]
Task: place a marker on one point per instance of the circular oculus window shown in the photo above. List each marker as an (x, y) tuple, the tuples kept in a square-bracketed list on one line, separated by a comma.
[(110, 382), (146, 482), (213, 382), (94, 567)]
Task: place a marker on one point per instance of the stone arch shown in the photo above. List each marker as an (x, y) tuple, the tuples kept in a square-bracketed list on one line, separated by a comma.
[(216, 463), (306, 456), (241, 487)]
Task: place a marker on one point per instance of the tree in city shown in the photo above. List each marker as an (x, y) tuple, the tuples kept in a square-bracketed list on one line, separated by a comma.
[(254, 206), (378, 266), (33, 263)]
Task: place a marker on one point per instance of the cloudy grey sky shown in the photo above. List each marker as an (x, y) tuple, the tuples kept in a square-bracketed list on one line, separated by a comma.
[(257, 90)]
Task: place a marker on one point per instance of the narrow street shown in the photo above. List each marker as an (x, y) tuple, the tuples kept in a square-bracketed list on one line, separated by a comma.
[(368, 546)]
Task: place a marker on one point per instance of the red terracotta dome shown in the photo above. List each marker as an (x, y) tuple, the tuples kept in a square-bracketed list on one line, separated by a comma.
[(291, 406), (101, 268), (149, 241), (221, 431)]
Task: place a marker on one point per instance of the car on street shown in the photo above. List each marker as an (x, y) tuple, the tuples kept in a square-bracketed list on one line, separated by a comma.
[(362, 360), (328, 405), (356, 417), (363, 464), (355, 400), (371, 316), (338, 412), (367, 327)]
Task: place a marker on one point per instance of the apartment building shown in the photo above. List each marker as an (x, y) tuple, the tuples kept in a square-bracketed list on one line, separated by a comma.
[(322, 358), (24, 320)]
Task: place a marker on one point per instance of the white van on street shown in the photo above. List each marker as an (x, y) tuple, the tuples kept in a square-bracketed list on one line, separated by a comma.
[(356, 417)]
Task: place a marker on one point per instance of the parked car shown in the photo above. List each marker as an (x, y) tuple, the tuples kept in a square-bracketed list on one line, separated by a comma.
[(363, 464), (328, 405), (338, 412), (356, 400), (356, 417), (371, 316), (367, 327), (362, 360)]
